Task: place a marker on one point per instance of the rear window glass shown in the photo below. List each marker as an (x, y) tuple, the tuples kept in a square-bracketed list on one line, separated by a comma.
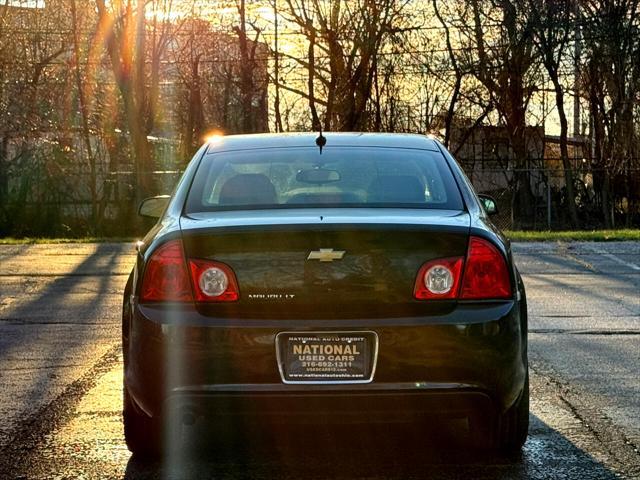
[(339, 177)]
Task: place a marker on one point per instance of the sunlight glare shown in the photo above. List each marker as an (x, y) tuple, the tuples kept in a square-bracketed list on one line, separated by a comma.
[(214, 136)]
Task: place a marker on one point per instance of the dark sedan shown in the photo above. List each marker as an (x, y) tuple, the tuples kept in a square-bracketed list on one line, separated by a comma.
[(350, 276)]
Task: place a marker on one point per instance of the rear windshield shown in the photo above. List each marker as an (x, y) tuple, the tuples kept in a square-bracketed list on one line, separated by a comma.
[(339, 177)]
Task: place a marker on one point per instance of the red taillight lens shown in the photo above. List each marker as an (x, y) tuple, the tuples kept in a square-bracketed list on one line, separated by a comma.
[(166, 278), (213, 281), (485, 273), (439, 279)]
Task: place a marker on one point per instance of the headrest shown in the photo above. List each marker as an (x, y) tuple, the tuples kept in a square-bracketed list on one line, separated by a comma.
[(396, 189), (248, 189)]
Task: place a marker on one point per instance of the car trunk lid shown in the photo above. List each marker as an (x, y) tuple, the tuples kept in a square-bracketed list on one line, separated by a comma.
[(327, 263)]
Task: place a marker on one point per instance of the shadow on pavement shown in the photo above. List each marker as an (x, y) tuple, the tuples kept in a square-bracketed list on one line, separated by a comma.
[(435, 450), (52, 334)]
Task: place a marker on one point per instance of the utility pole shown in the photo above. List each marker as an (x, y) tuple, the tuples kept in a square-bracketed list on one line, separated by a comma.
[(577, 131), (276, 74)]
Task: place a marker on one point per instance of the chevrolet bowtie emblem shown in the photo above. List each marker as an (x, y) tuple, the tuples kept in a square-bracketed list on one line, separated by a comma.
[(326, 255)]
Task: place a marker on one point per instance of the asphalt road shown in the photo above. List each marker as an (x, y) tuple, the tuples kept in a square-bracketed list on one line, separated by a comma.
[(60, 371)]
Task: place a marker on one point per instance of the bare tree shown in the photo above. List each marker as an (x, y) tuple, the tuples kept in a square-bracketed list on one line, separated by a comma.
[(457, 71), (84, 86), (30, 102), (188, 55), (612, 79), (552, 25), (125, 43), (500, 35), (129, 40), (79, 75), (350, 36), (247, 67)]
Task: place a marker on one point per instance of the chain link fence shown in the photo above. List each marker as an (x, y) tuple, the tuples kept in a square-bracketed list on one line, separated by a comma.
[(549, 200), (42, 202)]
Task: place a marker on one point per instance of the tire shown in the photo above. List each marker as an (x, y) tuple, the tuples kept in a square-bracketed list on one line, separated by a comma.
[(513, 425), (142, 434)]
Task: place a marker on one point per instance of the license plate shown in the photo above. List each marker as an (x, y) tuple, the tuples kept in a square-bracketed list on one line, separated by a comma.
[(327, 357)]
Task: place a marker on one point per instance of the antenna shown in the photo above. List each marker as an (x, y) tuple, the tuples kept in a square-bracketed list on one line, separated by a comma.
[(321, 141)]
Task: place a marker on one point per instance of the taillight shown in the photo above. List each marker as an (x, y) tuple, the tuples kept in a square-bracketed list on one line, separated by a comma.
[(166, 278), (439, 279), (485, 274), (213, 281)]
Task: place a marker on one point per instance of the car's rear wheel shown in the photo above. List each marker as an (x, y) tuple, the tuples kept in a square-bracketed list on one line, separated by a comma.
[(141, 433), (513, 425)]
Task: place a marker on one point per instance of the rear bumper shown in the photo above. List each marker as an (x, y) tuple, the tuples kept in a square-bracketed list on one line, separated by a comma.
[(335, 407), (472, 359)]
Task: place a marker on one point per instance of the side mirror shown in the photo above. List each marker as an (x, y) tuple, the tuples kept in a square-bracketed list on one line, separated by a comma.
[(153, 207), (489, 204)]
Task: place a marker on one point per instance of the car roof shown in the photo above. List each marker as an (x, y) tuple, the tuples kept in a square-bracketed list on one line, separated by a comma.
[(221, 143)]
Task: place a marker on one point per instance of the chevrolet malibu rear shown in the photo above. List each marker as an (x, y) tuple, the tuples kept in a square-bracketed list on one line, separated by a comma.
[(351, 277)]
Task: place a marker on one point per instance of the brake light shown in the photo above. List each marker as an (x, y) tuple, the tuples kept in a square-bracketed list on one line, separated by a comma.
[(485, 275), (439, 279), (166, 277), (213, 281)]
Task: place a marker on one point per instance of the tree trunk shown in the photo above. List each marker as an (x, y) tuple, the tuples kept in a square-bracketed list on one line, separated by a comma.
[(448, 121), (564, 152), (276, 103), (247, 59), (84, 112), (132, 88), (524, 201), (378, 109), (606, 200), (315, 120), (195, 116), (4, 174), (142, 148)]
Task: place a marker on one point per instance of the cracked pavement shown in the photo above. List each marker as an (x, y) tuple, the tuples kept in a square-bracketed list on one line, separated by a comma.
[(60, 366)]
